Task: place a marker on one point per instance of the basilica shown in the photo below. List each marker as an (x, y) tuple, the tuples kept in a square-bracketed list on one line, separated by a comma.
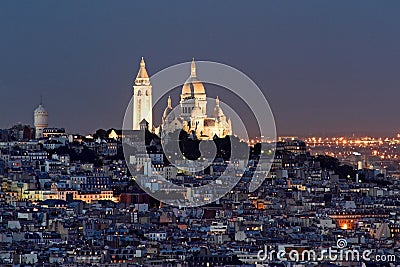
[(190, 115)]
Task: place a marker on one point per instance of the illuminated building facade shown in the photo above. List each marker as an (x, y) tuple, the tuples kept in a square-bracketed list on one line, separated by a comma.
[(142, 100), (193, 104), (193, 117)]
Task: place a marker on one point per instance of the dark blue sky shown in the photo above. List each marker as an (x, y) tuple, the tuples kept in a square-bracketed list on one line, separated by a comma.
[(325, 66)]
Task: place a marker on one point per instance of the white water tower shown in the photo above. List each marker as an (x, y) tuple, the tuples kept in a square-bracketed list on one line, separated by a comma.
[(40, 120)]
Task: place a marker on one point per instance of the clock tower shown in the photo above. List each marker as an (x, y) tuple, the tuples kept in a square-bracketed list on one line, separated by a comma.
[(142, 98)]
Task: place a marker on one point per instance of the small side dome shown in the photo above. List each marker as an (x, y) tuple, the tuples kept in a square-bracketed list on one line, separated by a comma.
[(196, 111), (217, 112), (167, 110)]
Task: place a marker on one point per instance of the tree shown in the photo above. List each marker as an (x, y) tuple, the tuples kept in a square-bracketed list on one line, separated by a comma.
[(346, 172), (100, 133), (327, 162)]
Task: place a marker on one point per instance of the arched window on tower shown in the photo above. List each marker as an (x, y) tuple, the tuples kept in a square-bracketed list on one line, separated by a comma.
[(139, 93), (139, 109)]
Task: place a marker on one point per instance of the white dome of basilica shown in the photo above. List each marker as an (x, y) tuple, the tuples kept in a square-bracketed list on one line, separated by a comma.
[(192, 116), (196, 111), (192, 85)]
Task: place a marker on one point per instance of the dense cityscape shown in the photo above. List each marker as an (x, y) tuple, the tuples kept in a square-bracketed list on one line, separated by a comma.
[(71, 200)]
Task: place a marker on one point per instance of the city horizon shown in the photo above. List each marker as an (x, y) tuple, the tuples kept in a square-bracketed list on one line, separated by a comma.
[(340, 79)]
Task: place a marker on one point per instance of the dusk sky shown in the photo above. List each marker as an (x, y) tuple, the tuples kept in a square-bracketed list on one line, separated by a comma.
[(326, 67)]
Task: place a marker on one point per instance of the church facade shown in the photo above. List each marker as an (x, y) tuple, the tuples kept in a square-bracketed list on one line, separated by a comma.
[(191, 115)]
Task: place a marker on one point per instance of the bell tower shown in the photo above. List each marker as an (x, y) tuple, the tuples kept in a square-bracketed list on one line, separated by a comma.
[(142, 98)]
